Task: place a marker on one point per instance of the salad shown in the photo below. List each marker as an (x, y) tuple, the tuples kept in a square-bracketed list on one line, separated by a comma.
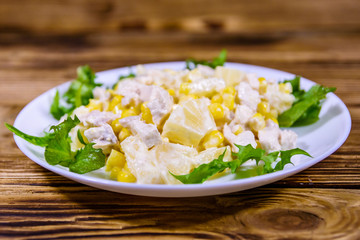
[(178, 127)]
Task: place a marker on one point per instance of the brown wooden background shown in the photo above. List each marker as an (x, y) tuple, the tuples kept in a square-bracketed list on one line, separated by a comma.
[(42, 43)]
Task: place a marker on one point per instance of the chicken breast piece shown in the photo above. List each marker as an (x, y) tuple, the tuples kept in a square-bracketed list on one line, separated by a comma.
[(133, 91), (243, 139), (248, 96), (103, 137), (96, 118), (160, 104), (148, 133), (288, 139), (269, 137)]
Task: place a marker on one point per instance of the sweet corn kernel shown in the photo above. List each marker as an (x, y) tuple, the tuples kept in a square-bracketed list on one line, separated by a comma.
[(116, 126), (217, 111), (146, 114), (261, 79), (229, 101), (238, 130), (115, 102), (271, 114), (213, 139), (285, 88), (124, 133), (230, 90), (257, 122), (184, 88), (262, 85), (115, 159), (171, 92), (125, 176), (263, 108), (115, 172), (94, 104), (217, 98), (129, 112)]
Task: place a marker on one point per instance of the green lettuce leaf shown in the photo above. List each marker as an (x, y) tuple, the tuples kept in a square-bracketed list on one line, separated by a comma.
[(220, 60), (38, 141), (87, 159), (306, 109), (58, 149), (204, 171), (79, 93), (245, 153)]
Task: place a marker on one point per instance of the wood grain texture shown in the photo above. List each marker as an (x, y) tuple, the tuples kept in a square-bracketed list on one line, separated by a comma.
[(42, 43)]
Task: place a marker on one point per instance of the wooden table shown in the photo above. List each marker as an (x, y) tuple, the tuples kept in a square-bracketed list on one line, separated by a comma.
[(42, 43)]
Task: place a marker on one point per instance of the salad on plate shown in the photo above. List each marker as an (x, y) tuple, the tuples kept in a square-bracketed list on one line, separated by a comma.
[(178, 126)]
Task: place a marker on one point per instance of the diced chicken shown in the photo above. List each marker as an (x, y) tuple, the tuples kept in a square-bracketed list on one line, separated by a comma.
[(160, 104), (133, 91), (102, 136), (206, 86), (248, 96), (242, 115), (168, 78), (148, 133), (253, 80), (141, 161), (244, 138), (288, 139), (278, 100), (269, 137), (97, 118), (101, 94)]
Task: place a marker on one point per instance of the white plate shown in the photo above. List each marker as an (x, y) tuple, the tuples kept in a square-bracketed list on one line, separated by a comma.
[(320, 140)]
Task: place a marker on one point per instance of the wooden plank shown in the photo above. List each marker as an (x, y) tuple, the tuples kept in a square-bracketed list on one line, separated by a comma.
[(70, 17), (47, 212)]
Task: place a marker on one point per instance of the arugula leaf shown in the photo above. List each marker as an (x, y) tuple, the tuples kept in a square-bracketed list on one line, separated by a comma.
[(245, 153), (78, 94), (285, 157), (204, 171), (58, 150), (191, 63), (306, 109), (38, 141), (268, 160), (55, 109), (87, 159)]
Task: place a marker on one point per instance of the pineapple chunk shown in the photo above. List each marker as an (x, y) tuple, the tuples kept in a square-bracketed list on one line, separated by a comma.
[(189, 123)]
